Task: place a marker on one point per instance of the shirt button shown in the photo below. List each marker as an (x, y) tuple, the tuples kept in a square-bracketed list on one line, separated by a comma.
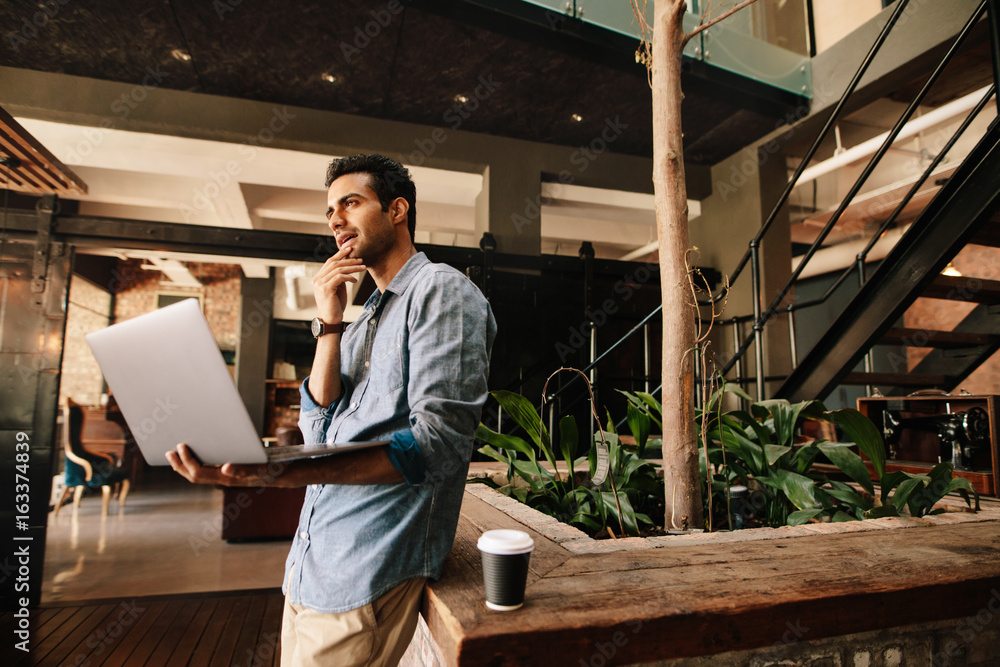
[(367, 364), (304, 535), (354, 406)]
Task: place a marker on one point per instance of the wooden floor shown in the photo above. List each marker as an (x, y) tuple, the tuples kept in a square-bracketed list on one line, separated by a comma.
[(235, 629)]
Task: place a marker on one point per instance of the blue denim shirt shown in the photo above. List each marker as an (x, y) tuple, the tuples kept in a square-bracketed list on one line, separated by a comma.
[(414, 369)]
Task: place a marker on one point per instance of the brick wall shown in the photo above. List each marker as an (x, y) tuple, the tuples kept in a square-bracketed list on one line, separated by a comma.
[(220, 294), (136, 292)]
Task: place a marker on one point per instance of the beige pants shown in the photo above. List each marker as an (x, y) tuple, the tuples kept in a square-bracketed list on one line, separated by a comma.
[(376, 634)]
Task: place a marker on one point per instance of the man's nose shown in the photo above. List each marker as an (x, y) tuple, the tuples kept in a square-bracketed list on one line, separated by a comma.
[(335, 221)]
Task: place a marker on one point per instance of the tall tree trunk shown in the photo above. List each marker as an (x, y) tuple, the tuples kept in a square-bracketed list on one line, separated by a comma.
[(680, 453)]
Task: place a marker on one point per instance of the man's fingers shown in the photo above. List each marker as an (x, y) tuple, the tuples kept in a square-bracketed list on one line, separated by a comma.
[(249, 475), (186, 464)]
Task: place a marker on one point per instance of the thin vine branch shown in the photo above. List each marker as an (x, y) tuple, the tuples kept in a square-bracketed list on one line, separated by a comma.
[(597, 420), (706, 24)]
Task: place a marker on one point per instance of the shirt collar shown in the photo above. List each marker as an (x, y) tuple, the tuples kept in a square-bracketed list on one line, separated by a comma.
[(401, 281)]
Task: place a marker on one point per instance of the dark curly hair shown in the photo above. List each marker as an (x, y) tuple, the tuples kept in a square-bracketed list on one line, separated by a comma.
[(386, 177)]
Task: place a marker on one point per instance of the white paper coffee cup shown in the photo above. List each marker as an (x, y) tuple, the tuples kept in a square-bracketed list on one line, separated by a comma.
[(505, 555)]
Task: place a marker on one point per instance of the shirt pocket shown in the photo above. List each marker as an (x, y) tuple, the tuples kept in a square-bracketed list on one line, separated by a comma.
[(387, 365)]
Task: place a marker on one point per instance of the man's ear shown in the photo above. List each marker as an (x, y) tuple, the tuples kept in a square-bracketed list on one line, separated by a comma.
[(399, 208)]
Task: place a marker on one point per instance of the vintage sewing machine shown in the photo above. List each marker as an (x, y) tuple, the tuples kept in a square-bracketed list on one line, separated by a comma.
[(922, 431)]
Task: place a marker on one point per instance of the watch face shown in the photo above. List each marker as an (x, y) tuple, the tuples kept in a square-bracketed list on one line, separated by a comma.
[(317, 327)]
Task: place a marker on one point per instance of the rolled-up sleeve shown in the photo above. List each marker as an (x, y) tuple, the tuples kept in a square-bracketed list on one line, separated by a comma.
[(314, 419)]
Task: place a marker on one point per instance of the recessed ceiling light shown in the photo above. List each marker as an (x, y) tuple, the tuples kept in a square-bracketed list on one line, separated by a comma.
[(329, 78), (181, 55), (576, 118), (461, 99)]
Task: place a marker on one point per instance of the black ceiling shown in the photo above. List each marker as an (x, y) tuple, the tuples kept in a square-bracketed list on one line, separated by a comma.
[(402, 60)]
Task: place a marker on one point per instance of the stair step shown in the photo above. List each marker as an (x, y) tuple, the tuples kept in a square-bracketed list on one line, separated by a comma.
[(897, 379), (930, 338), (964, 288), (988, 234)]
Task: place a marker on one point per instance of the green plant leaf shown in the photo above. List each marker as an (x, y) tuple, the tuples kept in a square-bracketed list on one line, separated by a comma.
[(745, 419), (627, 514), (775, 452), (849, 463), (726, 388), (646, 404), (799, 489), (889, 482), (804, 457), (841, 517), (732, 437), (903, 492), (494, 454), (882, 512), (861, 431), (799, 517), (782, 419), (523, 413), (485, 481), (851, 497), (568, 439), (939, 484), (638, 423), (508, 442)]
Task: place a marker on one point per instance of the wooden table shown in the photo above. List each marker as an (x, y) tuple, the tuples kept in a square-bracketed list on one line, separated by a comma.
[(658, 604)]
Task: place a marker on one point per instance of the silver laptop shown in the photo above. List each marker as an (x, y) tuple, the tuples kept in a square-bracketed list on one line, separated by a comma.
[(172, 385)]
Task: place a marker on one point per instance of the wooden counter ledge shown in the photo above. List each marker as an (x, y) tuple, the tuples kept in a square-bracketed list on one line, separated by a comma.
[(708, 597)]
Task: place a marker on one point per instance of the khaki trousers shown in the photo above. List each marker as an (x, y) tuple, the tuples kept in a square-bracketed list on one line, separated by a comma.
[(375, 635)]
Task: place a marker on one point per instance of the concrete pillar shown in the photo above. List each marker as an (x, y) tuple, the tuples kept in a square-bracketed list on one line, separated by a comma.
[(254, 344), (745, 187), (509, 206)]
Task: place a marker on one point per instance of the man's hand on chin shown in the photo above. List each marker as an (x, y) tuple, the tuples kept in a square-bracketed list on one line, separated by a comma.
[(186, 464)]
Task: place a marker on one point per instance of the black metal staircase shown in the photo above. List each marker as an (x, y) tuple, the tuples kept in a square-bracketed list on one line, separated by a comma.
[(963, 207), (964, 211)]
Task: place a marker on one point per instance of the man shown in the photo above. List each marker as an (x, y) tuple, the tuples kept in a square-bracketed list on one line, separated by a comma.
[(412, 369)]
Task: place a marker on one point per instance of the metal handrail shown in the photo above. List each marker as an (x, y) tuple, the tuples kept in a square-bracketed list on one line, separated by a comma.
[(772, 309), (761, 316), (933, 165), (807, 157)]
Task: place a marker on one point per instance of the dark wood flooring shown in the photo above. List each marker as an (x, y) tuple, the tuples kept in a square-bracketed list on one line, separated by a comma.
[(234, 629)]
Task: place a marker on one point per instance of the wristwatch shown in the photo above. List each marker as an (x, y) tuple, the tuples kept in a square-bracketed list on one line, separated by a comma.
[(320, 328)]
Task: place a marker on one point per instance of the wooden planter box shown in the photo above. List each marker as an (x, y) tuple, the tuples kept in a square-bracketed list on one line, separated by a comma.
[(655, 599)]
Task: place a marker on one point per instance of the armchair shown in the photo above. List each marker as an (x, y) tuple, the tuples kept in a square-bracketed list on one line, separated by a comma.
[(86, 469)]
